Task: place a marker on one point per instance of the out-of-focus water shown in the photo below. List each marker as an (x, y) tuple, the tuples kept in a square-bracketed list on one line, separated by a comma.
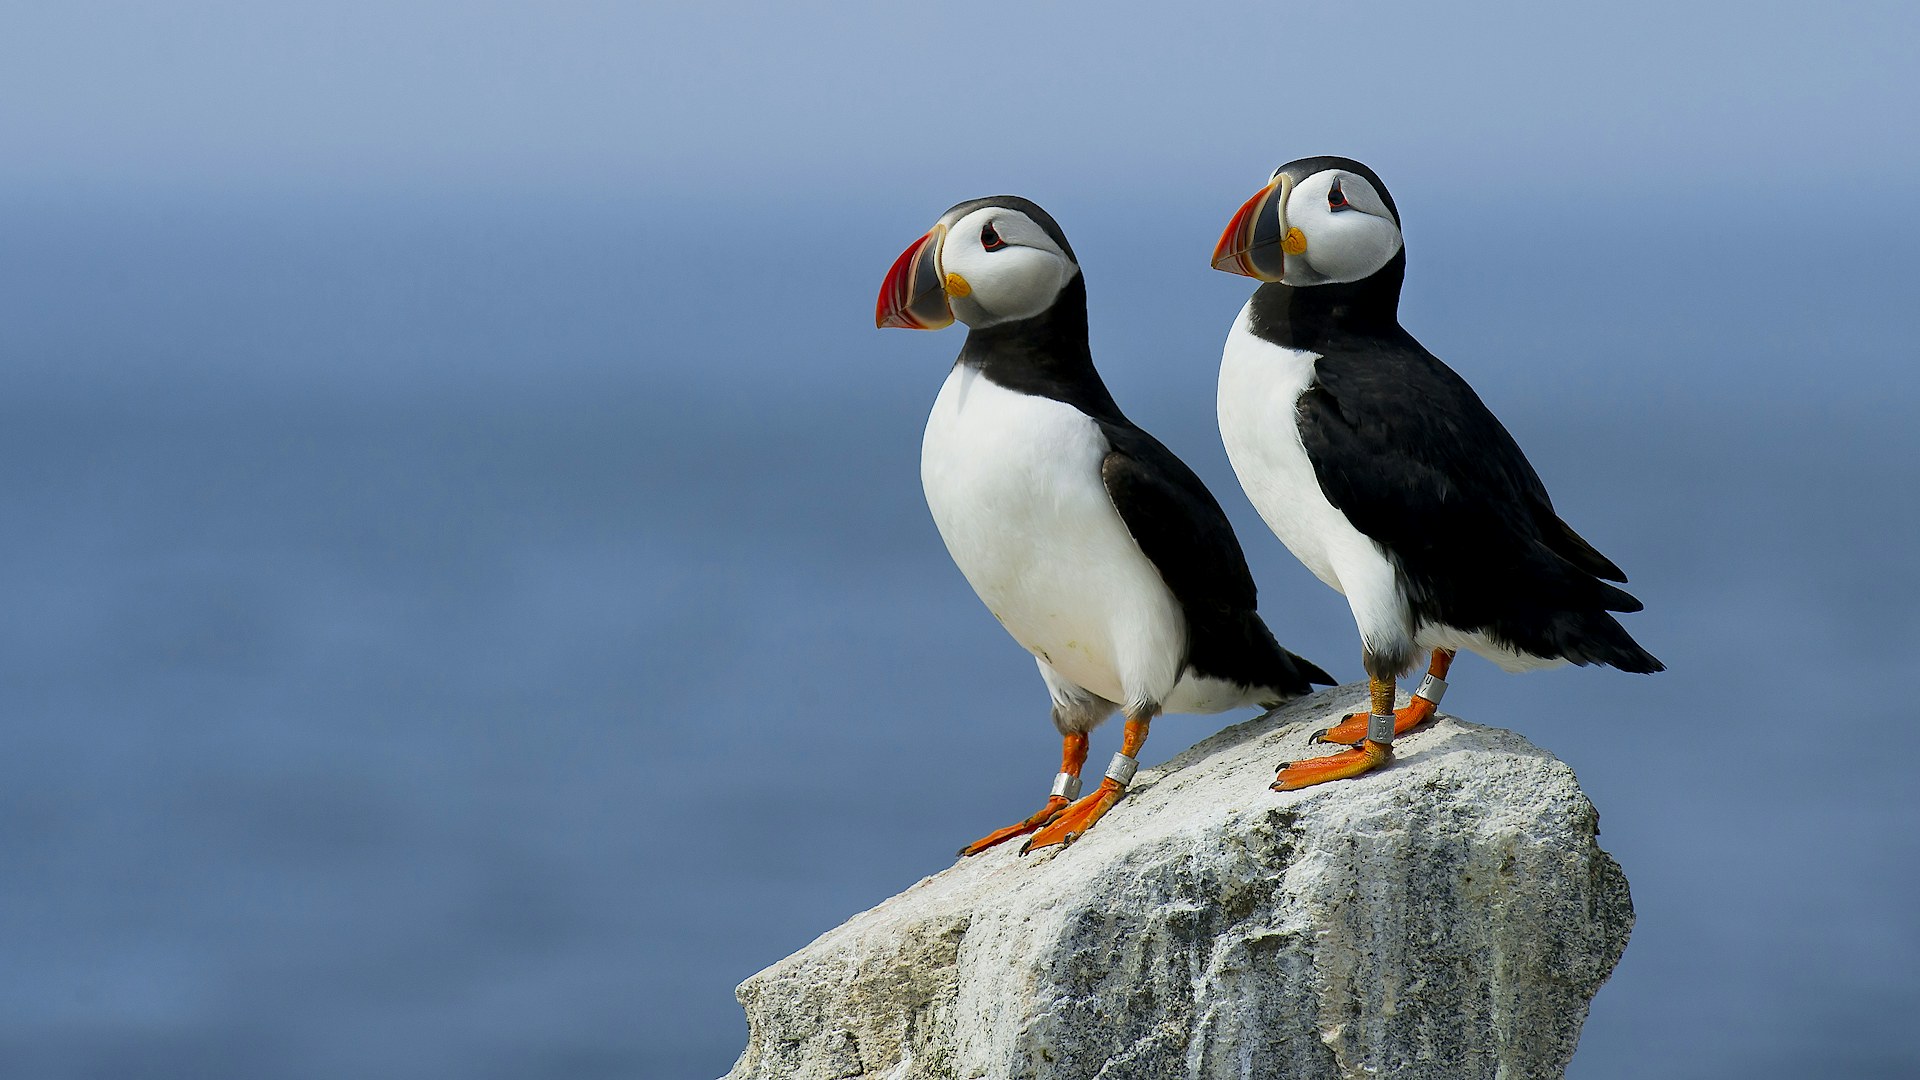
[(465, 641)]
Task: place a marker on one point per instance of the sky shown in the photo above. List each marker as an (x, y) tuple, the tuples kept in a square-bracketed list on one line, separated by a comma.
[(685, 100), (470, 600)]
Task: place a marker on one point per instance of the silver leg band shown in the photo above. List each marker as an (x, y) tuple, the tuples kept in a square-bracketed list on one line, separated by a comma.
[(1122, 768), (1066, 786), (1432, 687), (1380, 727)]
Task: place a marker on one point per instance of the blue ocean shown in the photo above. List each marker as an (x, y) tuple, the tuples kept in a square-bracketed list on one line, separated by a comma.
[(458, 640)]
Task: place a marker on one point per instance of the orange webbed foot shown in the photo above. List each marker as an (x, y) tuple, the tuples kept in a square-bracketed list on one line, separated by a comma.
[(1055, 804), (1075, 820), (1353, 727), (1345, 765)]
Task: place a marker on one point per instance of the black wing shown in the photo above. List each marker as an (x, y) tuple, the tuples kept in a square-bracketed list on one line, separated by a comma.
[(1410, 454), (1185, 534)]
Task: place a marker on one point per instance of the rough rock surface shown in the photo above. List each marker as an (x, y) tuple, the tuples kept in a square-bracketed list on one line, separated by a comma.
[(1450, 916)]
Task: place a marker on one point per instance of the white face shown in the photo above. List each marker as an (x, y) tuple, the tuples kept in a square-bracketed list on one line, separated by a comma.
[(1012, 269), (1350, 232)]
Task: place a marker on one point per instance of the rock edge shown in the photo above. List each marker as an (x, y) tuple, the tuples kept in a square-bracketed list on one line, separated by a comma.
[(1450, 916)]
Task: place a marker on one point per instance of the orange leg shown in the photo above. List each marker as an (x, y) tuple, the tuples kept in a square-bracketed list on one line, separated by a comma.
[(1073, 758), (1073, 822), (1375, 749), (1345, 765), (1353, 727)]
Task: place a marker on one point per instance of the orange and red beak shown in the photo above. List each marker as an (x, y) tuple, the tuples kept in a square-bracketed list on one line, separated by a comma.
[(914, 296), (1257, 240)]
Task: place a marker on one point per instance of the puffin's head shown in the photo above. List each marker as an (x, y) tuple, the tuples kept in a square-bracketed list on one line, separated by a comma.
[(985, 262), (1319, 221)]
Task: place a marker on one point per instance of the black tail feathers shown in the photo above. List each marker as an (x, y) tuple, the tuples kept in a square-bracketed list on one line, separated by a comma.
[(1240, 648), (1598, 638), (1312, 672)]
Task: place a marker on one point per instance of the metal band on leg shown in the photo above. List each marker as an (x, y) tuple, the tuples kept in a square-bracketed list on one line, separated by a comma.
[(1432, 687), (1066, 786), (1122, 768), (1380, 727)]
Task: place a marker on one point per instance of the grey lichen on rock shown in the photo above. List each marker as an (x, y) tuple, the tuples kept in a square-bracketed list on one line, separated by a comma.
[(1449, 916)]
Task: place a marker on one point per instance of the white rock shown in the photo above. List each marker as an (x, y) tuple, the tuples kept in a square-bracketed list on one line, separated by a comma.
[(1449, 916)]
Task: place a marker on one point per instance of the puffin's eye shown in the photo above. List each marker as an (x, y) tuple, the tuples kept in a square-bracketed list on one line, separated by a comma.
[(990, 240), (1337, 199)]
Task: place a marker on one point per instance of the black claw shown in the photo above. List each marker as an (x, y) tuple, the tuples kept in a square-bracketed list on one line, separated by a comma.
[(962, 853), (1026, 847), (1282, 767), (1318, 735)]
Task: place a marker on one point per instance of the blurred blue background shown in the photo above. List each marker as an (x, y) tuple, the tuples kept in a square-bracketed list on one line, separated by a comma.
[(465, 596)]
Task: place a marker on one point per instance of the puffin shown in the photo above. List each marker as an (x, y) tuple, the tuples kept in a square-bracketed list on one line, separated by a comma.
[(1096, 548), (1381, 470)]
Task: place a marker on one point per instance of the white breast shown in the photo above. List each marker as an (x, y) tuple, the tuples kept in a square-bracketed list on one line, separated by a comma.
[(1013, 481), (1260, 386)]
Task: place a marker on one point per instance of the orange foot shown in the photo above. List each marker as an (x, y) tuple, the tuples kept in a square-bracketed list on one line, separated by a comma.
[(1075, 820), (1055, 804), (1353, 727), (1345, 765)]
